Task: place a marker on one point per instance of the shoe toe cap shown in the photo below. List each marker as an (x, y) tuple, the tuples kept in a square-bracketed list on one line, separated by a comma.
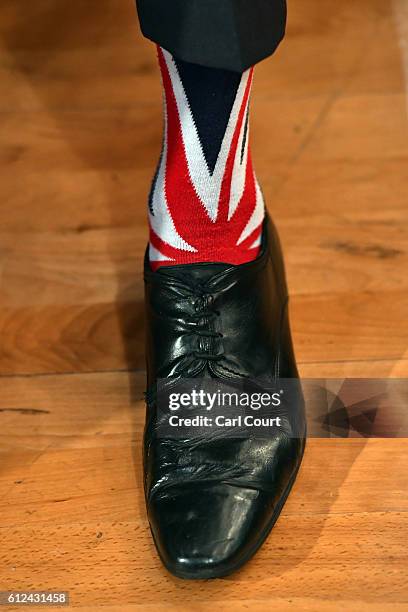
[(208, 531)]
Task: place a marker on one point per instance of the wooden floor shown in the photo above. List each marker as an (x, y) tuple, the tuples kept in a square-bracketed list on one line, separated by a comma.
[(80, 130)]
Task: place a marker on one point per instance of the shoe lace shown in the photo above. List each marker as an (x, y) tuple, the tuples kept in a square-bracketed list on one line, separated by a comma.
[(203, 319)]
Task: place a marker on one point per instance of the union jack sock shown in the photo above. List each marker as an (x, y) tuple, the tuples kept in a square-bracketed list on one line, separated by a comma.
[(205, 203)]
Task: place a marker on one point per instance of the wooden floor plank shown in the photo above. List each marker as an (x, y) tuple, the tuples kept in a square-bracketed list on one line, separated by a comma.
[(71, 497), (82, 555), (38, 68), (72, 423), (38, 267), (340, 327)]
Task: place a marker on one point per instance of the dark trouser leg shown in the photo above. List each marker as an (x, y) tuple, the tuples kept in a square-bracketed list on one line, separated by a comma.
[(228, 34)]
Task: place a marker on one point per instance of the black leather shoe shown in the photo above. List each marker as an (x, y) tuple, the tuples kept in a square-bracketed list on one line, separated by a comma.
[(211, 504)]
